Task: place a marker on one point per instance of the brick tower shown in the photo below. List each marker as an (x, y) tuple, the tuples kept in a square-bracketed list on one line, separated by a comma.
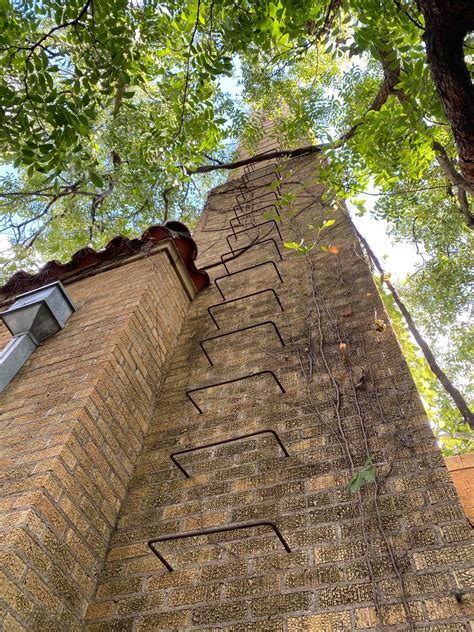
[(214, 440)]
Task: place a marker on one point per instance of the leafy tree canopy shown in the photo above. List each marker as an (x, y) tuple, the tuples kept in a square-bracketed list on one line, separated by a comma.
[(108, 107)]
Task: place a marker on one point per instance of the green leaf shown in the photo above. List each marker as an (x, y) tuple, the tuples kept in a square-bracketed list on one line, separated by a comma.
[(96, 179), (292, 245), (365, 475)]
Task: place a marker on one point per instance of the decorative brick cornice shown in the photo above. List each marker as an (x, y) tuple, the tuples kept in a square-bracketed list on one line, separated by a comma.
[(119, 248)]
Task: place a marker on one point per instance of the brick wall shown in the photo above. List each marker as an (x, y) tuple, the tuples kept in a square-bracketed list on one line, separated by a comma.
[(396, 556), (461, 469), (72, 424)]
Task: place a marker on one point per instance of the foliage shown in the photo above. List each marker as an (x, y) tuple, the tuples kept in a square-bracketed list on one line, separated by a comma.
[(303, 248), (366, 474), (100, 103)]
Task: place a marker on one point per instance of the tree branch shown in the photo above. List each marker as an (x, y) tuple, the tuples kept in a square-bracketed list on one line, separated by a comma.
[(449, 169), (393, 76), (452, 391), (188, 69), (47, 35), (457, 180), (216, 160), (270, 155), (314, 32), (164, 194)]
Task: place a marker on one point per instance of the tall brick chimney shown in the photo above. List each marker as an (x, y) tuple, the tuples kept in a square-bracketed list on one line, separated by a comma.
[(129, 431)]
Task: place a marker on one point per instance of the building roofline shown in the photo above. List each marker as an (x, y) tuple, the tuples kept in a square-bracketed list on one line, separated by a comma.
[(179, 245)]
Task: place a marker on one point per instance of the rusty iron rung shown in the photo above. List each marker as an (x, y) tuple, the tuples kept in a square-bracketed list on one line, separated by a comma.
[(236, 331), (210, 531), (257, 265), (244, 201), (265, 152), (216, 443), (263, 175), (265, 143), (248, 187), (244, 230), (257, 210), (238, 206), (257, 243), (236, 379), (237, 218), (248, 168), (270, 141), (245, 189), (241, 298)]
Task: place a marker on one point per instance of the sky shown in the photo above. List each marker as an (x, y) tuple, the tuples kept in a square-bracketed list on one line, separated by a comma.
[(4, 243), (400, 259)]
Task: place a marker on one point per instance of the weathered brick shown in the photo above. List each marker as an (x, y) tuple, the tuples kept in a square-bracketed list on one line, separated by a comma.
[(366, 618), (163, 621), (97, 451), (223, 571), (251, 586), (120, 587), (41, 593), (15, 598), (111, 625), (448, 556), (194, 595), (442, 608), (313, 577), (142, 603), (11, 625), (280, 561), (269, 625), (219, 614), (326, 622), (177, 578), (99, 610), (282, 604), (343, 595), (340, 552), (11, 563)]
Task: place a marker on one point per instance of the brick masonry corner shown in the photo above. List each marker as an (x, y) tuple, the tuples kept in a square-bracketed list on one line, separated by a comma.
[(73, 423)]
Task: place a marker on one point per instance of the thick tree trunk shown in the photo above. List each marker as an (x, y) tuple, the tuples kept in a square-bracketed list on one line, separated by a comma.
[(447, 22)]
